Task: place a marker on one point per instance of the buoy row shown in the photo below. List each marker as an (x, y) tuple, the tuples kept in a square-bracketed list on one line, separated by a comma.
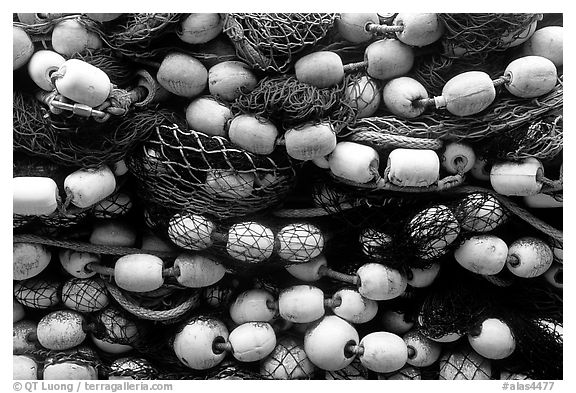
[(248, 241)]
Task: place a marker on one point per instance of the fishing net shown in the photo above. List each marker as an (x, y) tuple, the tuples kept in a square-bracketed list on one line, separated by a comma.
[(504, 114), (135, 35), (481, 34), (542, 139), (288, 361), (189, 171), (453, 305), (533, 311), (41, 31), (112, 325), (121, 72), (72, 140), (464, 363), (63, 218), (85, 295), (132, 367), (354, 371), (290, 103), (271, 41), (433, 71), (37, 293)]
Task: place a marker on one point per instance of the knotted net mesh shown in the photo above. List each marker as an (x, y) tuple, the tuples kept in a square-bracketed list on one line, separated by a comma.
[(190, 171), (506, 113), (85, 295), (464, 363), (37, 292), (475, 33), (290, 103), (288, 361), (72, 140), (270, 41)]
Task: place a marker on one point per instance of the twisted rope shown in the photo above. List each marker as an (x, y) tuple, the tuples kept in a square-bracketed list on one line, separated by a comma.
[(152, 315), (380, 140), (89, 247)]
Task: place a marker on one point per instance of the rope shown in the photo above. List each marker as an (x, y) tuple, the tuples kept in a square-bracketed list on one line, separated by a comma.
[(148, 314), (311, 212), (88, 247), (381, 140)]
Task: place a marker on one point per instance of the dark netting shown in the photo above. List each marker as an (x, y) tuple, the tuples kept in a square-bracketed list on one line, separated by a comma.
[(463, 363), (134, 35), (534, 312), (132, 367), (85, 295), (72, 140), (433, 71), (82, 356), (114, 206), (270, 41), (114, 326), (290, 103), (189, 171), (541, 139), (431, 231), (484, 33), (406, 373), (120, 71), (504, 114), (287, 361), (480, 212), (354, 371), (454, 303), (37, 293), (41, 31)]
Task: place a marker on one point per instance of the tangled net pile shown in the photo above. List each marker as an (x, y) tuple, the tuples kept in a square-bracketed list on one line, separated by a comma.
[(271, 41), (259, 264), (187, 170)]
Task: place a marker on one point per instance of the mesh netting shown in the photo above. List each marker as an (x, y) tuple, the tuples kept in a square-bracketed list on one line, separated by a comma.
[(85, 295), (134, 35), (114, 206), (290, 103), (433, 71), (542, 139), (247, 246), (469, 33), (504, 114), (189, 171), (453, 305), (534, 312), (37, 293), (287, 361), (270, 41), (406, 373), (480, 212), (72, 140), (464, 363), (112, 325), (432, 231), (41, 30), (133, 367), (354, 371), (120, 72)]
